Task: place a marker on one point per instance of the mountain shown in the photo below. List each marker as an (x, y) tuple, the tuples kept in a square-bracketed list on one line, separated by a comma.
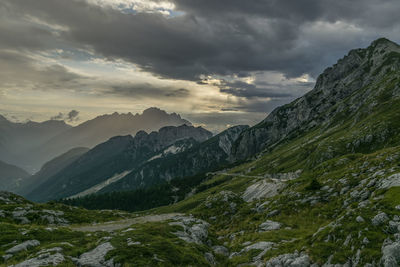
[(114, 159), (314, 184), (19, 140), (31, 144), (201, 158), (11, 176), (353, 88), (49, 169)]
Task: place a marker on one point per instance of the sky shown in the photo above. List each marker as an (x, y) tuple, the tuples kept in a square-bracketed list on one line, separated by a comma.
[(218, 63)]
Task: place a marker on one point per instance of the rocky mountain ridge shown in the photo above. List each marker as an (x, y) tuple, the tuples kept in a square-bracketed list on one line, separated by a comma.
[(338, 91)]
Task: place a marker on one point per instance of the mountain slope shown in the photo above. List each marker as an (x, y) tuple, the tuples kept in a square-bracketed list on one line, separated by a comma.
[(49, 169), (201, 158), (118, 155), (11, 176)]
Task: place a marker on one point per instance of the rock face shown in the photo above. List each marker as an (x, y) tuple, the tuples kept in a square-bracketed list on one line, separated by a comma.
[(359, 68)]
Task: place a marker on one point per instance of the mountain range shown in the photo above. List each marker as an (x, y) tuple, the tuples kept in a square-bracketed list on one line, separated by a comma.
[(29, 145), (114, 159)]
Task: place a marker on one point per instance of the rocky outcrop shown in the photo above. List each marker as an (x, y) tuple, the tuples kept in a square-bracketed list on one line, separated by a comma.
[(96, 257), (290, 260), (262, 189), (23, 246), (44, 259), (193, 230), (391, 181)]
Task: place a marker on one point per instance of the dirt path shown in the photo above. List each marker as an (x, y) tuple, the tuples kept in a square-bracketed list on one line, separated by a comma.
[(117, 225)]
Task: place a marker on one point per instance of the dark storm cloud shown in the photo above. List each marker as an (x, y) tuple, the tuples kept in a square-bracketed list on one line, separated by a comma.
[(219, 37), (20, 70), (208, 37)]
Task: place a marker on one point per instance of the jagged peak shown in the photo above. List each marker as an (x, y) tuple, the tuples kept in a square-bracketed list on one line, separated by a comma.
[(383, 42)]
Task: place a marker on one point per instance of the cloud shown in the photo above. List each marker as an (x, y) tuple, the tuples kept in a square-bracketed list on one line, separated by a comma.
[(145, 90), (71, 116), (242, 89), (59, 116), (180, 41)]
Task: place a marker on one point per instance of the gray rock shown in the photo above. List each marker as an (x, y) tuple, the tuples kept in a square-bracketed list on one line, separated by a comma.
[(290, 260), (380, 218), (263, 246), (394, 227), (46, 259), (390, 254), (209, 258), (360, 219), (262, 189), (7, 256), (273, 213), (194, 230), (269, 226), (391, 181), (23, 246), (96, 257), (221, 250)]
